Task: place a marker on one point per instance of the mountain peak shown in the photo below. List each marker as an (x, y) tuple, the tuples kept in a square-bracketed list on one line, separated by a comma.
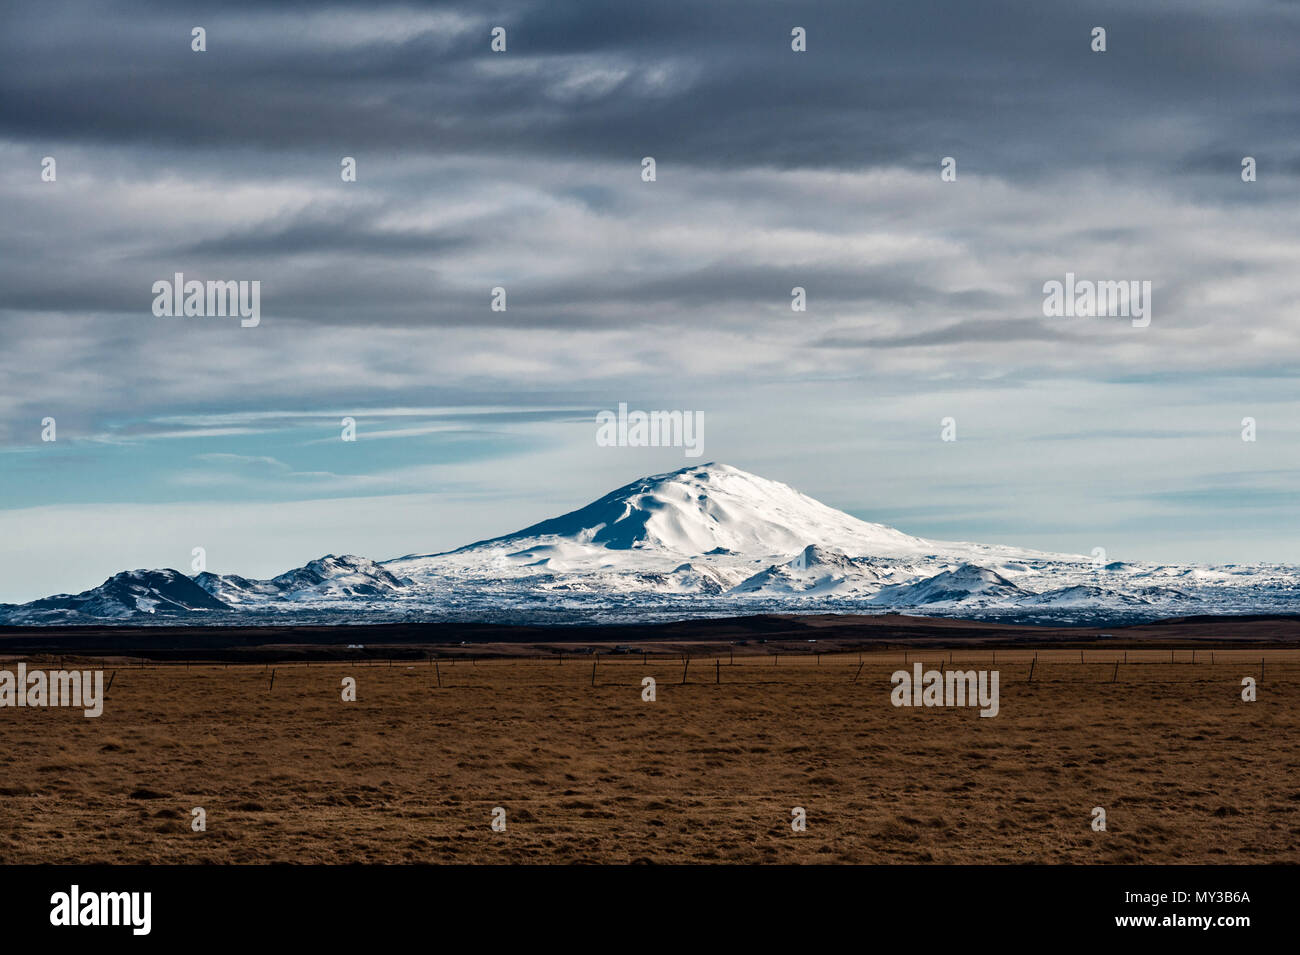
[(125, 594), (695, 510)]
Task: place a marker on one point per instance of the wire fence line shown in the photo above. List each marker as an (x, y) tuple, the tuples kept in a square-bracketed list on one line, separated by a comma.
[(869, 668), (936, 657)]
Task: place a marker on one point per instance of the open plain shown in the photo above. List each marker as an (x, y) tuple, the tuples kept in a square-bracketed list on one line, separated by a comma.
[(710, 771)]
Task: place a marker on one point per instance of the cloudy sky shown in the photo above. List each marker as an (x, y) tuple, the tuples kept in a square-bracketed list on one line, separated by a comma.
[(522, 170)]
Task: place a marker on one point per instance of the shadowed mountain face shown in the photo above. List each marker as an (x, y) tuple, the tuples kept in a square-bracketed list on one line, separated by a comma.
[(709, 540), (169, 593), (128, 594)]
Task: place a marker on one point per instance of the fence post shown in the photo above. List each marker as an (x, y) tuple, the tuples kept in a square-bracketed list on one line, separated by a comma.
[(272, 686), (685, 666), (859, 673), (1032, 664), (1115, 676), (438, 673), (717, 672)]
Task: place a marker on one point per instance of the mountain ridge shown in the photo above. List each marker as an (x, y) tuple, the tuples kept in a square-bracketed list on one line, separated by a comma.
[(708, 539)]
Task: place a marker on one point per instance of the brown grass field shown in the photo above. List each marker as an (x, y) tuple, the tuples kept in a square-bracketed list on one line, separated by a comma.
[(709, 772)]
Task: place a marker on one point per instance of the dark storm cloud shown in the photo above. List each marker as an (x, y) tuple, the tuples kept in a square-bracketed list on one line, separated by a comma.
[(749, 288), (1014, 87), (336, 233), (995, 331), (479, 170)]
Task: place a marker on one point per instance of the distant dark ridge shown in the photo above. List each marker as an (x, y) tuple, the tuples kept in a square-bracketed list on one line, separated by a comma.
[(828, 632), (1223, 618)]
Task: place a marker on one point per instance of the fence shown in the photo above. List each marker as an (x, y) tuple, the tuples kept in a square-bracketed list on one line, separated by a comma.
[(1056, 665)]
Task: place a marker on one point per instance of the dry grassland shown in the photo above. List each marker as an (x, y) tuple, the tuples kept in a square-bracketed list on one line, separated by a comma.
[(709, 772)]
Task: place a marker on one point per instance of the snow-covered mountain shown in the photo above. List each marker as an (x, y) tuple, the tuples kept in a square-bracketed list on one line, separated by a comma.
[(707, 540), (817, 570), (965, 584), (713, 510), (125, 595), (328, 578)]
